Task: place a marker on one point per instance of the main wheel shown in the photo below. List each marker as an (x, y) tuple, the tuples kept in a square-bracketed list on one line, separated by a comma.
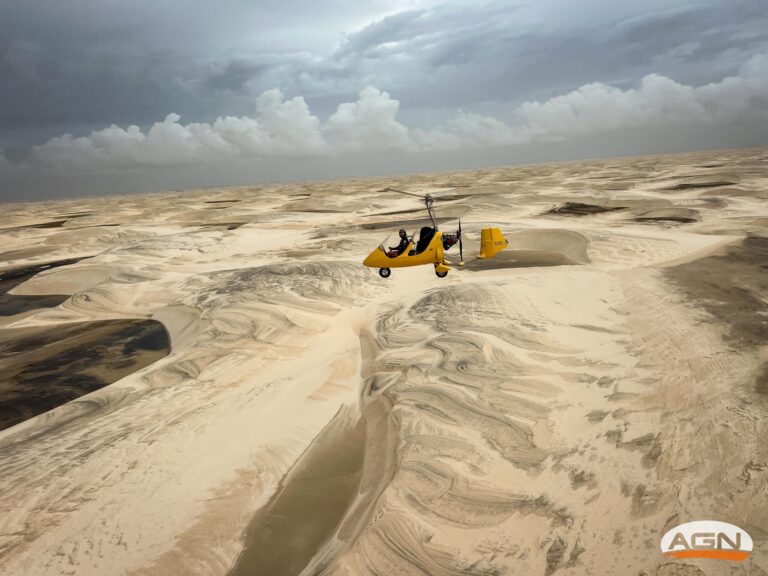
[(441, 274), (384, 272)]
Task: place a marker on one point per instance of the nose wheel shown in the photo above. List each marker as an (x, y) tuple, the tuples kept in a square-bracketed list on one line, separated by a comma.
[(384, 272), (440, 274)]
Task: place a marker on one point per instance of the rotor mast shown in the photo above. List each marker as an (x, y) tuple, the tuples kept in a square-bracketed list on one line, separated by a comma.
[(428, 201)]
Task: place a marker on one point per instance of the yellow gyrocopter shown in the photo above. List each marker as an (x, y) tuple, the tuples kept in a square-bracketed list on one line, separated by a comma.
[(431, 246)]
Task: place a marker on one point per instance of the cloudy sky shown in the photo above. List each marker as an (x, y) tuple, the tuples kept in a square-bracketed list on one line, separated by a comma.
[(116, 95)]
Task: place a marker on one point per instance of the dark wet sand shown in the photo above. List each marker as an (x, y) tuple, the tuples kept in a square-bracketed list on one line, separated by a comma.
[(309, 504), (41, 225), (695, 185), (731, 285), (15, 276), (11, 304), (44, 367), (680, 219), (332, 490), (581, 209), (227, 225)]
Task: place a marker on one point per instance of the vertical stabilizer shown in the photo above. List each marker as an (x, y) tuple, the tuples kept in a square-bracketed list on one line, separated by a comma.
[(492, 242)]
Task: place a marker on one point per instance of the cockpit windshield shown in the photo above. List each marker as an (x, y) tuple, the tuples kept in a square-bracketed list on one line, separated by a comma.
[(387, 242), (392, 241), (391, 245)]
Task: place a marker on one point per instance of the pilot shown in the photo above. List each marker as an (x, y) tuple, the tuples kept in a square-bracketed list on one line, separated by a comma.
[(400, 248)]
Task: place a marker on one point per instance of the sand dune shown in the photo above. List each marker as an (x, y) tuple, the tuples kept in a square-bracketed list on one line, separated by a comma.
[(551, 411)]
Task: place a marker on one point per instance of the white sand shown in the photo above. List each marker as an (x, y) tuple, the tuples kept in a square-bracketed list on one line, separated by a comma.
[(556, 411)]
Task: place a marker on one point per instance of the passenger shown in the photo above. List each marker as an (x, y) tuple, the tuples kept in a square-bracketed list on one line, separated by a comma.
[(400, 248)]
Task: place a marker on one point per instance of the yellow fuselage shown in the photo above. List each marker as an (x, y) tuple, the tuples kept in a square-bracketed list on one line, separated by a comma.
[(433, 254)]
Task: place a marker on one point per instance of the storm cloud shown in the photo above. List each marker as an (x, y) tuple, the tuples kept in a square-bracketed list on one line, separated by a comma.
[(287, 127), (92, 86)]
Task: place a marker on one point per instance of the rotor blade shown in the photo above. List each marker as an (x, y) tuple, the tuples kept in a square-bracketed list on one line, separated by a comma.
[(434, 194), (390, 189), (444, 194)]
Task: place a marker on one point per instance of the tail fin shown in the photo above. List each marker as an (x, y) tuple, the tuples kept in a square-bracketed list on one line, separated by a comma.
[(492, 242)]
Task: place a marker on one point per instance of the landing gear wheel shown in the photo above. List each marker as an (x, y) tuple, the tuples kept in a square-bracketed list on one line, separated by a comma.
[(384, 272), (441, 274)]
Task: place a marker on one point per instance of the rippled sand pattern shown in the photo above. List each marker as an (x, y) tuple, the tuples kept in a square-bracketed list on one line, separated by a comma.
[(552, 411)]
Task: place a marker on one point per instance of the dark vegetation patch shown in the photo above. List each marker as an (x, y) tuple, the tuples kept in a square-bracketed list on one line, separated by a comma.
[(670, 218), (45, 367), (581, 209), (51, 224), (227, 225), (694, 185), (311, 210), (670, 214)]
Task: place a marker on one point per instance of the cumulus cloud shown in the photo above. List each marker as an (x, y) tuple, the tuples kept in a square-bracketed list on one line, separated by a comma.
[(468, 130), (597, 108), (658, 101), (280, 128), (287, 128), (69, 66), (367, 125)]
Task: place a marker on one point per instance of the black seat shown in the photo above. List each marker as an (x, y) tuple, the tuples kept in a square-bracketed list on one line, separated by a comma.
[(425, 237)]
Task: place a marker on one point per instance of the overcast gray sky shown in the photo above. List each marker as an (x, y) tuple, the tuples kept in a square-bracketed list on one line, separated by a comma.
[(116, 95)]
